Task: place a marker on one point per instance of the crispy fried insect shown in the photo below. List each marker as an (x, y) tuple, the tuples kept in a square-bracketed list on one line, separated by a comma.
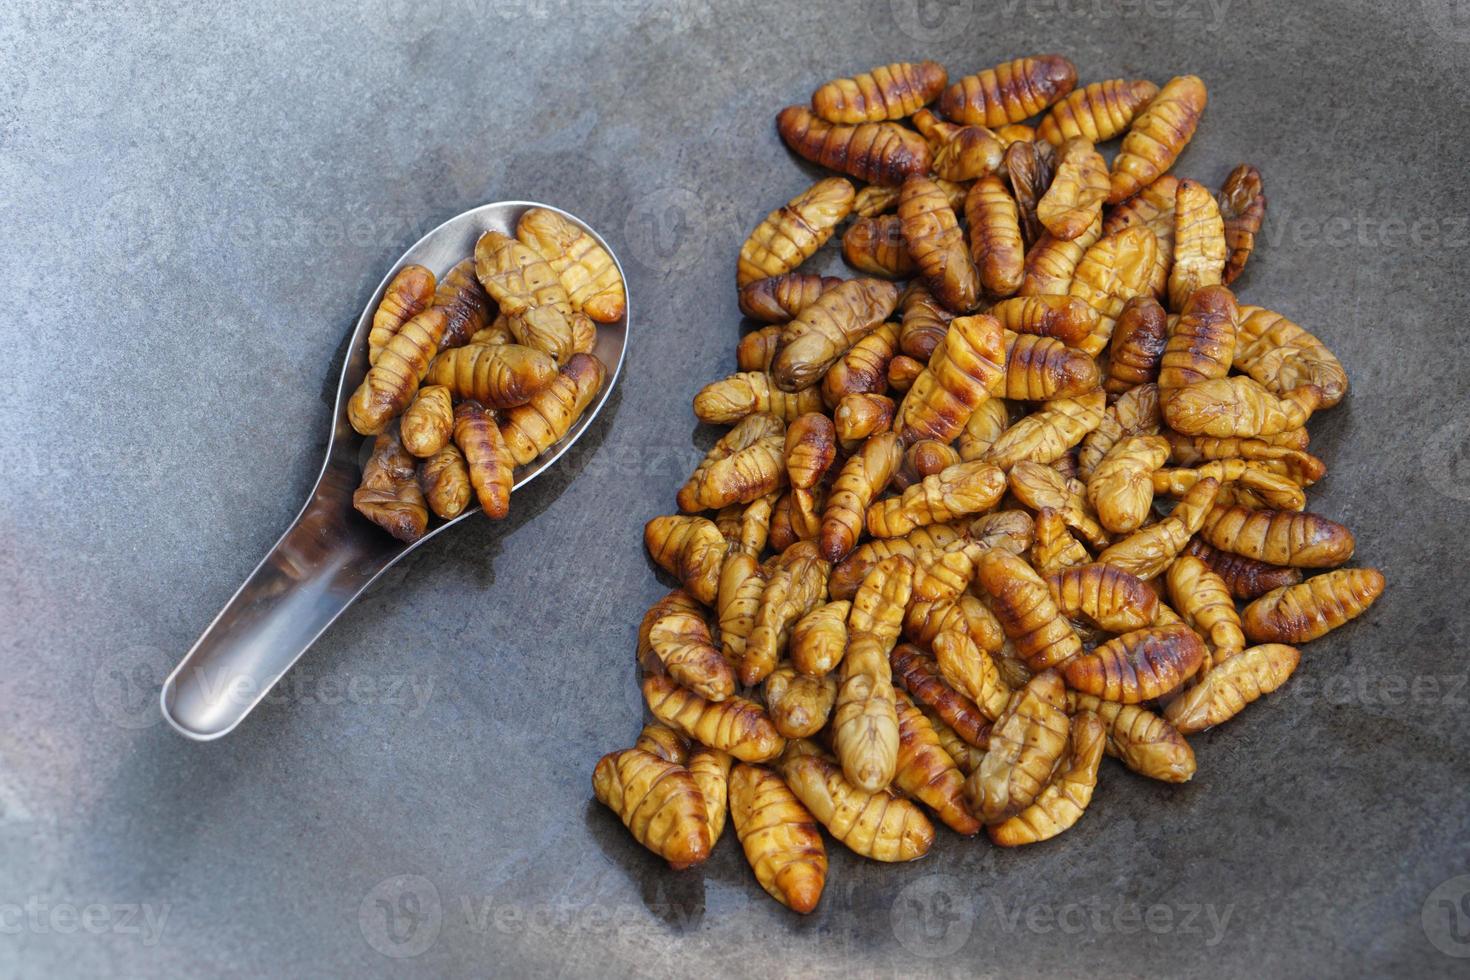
[(1241, 480), (879, 603), (965, 488), (1023, 603), (990, 418), (863, 477), (536, 426), (389, 494), (1143, 741), (1051, 262), (658, 802), (584, 334), (848, 575), (742, 583), (966, 756), (937, 244), (1201, 343), (1237, 406), (428, 422), (1157, 136), (1138, 666), (445, 482), (865, 719), (711, 771), (922, 459), (877, 825), (996, 246), (1147, 553), (1009, 92), (1047, 434), (825, 330), (924, 322), (1121, 488), (1061, 804), (548, 329), (864, 368), (1199, 242), (588, 273), (517, 277), (1243, 209), (935, 129), (798, 703), (1097, 112), (1224, 690), (497, 332), (928, 773), (409, 293), (659, 739), (1108, 597), (810, 449), (962, 374), (1135, 413), (470, 310), (1064, 318), (1204, 601), (779, 298), (689, 548), (888, 92), (921, 678), (1113, 271), (1282, 356), (937, 607), (903, 371), (747, 526), (679, 637), (1042, 368), (1246, 578), (394, 377), (1310, 609), (819, 639), (734, 725), (487, 457), (859, 416), (875, 199), (968, 153), (497, 376), (1015, 133), (731, 399), (1029, 167), (748, 462), (1054, 549), (795, 588), (757, 349), (1027, 741), (782, 842), (879, 153), (1074, 200), (1042, 487), (1009, 530), (1137, 344), (792, 233), (970, 671)]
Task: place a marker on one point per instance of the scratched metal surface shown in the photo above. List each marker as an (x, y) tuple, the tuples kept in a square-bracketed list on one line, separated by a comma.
[(195, 206)]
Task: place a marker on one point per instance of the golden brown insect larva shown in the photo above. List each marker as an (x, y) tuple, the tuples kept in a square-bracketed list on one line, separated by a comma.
[(1237, 406), (445, 482), (658, 802), (548, 329), (966, 756), (1097, 112), (746, 526), (1053, 549), (889, 92), (1204, 602), (486, 455), (792, 233), (1052, 261), (389, 494), (937, 244), (497, 376), (679, 638), (1143, 741), (409, 293), (968, 669), (796, 586), (859, 416), (1042, 368), (799, 704), (1111, 272), (864, 368), (1047, 434), (1029, 168), (877, 825), (741, 584), (863, 477), (711, 771), (748, 462), (498, 331), (731, 399), (1062, 317), (879, 153), (779, 298), (876, 247), (970, 152), (1245, 577), (757, 349), (921, 678), (586, 270), (939, 606), (865, 719), (1027, 741), (734, 725), (1225, 689), (470, 309), (1201, 343), (965, 488), (1243, 209), (517, 277), (1148, 552), (659, 739), (536, 426), (689, 548), (1138, 666), (925, 322), (828, 328), (1282, 356), (879, 603), (924, 458), (1009, 530), (584, 334), (1121, 488), (1009, 93), (1157, 136), (428, 422), (819, 639), (903, 371), (1023, 603), (996, 245), (1015, 133), (1311, 609), (1108, 597), (847, 576), (875, 199), (962, 374), (1135, 413), (1137, 344), (782, 842), (936, 130), (928, 773), (1199, 242), (1075, 198), (1242, 479), (1151, 208), (1060, 805), (810, 449), (394, 378)]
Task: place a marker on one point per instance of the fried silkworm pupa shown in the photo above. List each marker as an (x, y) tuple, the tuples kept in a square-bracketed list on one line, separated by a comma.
[(879, 153), (970, 152), (445, 481), (965, 488), (677, 635), (1137, 344), (392, 381), (1121, 488), (1246, 578), (689, 548), (1282, 356), (517, 277), (711, 771), (1311, 609), (428, 422), (731, 399), (1243, 209), (1060, 805), (873, 200), (1029, 168), (779, 298), (550, 330), (1054, 549), (498, 330), (1009, 92), (1205, 604), (1199, 242), (659, 739), (1025, 745), (1201, 344), (468, 306), (792, 233), (819, 639), (1023, 603), (747, 526), (970, 670), (748, 462), (963, 372), (1052, 261), (1140, 739), (487, 457), (1157, 136), (1043, 368), (1075, 198), (1224, 690), (1148, 552), (782, 842), (864, 368), (827, 329), (1008, 530), (389, 494), (996, 245), (586, 271), (928, 773), (811, 447), (1059, 317), (886, 93), (924, 322), (924, 458), (536, 426), (847, 576), (1096, 112), (658, 802), (1114, 270), (857, 417), (757, 349), (409, 293), (863, 477), (797, 583), (498, 376), (922, 679), (799, 704), (966, 756), (876, 247), (1135, 413), (1105, 596), (865, 719), (879, 603), (937, 244), (1238, 407), (935, 129), (1138, 666), (1046, 435), (742, 583), (876, 825), (734, 725), (903, 371)]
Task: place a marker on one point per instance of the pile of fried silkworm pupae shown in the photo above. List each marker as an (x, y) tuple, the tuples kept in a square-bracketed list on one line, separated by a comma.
[(480, 372), (966, 537)]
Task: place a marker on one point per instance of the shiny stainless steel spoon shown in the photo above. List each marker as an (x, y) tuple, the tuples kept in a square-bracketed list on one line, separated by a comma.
[(331, 554)]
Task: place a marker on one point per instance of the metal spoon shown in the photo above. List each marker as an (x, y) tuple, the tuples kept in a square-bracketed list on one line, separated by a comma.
[(331, 554)]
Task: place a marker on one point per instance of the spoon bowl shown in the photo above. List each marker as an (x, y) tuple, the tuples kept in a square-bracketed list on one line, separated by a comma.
[(331, 554)]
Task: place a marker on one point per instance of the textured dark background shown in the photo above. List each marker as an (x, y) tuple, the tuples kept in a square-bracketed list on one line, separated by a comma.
[(194, 206)]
